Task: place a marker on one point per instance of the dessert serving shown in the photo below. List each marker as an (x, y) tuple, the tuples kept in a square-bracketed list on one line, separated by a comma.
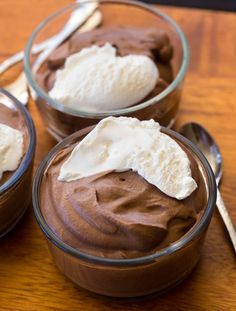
[(111, 65), (121, 214), (17, 145), (109, 68)]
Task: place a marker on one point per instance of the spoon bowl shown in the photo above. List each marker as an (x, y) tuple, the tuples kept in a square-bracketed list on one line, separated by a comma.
[(198, 135)]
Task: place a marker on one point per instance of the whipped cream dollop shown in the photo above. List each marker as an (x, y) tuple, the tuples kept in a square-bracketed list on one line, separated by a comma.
[(11, 148), (120, 144), (96, 79)]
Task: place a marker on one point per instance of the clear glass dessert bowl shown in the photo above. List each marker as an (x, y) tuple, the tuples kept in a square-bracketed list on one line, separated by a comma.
[(15, 190), (62, 120), (129, 277)]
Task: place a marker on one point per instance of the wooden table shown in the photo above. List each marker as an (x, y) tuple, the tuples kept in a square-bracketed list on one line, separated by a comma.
[(28, 278)]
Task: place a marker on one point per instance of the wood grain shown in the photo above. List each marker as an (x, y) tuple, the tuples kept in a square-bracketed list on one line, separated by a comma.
[(28, 278)]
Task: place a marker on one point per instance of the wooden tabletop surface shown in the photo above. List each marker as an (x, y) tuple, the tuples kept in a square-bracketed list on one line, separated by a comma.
[(29, 279)]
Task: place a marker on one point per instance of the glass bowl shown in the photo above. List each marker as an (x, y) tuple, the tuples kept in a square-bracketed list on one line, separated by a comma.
[(61, 120), (15, 194), (137, 276)]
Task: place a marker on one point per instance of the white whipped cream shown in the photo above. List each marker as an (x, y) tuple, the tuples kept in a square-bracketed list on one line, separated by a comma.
[(124, 143), (95, 79), (11, 148)]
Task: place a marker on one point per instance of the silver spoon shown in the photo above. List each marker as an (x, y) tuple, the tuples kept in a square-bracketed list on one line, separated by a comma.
[(200, 137), (77, 18), (88, 19)]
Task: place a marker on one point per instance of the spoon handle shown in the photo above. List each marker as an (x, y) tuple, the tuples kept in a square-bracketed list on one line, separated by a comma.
[(226, 219)]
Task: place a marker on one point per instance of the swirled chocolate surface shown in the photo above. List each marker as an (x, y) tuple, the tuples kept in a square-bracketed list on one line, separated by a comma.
[(152, 42), (117, 215)]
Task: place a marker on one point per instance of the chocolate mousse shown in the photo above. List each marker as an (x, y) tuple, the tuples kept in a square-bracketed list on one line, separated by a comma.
[(85, 101), (117, 215), (151, 42), (14, 119), (15, 193), (125, 207)]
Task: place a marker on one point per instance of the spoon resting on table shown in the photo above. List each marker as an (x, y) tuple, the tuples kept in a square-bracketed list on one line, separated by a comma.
[(200, 137), (85, 18)]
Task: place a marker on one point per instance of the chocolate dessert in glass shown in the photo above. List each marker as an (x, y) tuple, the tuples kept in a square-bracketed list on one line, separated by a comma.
[(125, 58), (125, 217), (17, 148)]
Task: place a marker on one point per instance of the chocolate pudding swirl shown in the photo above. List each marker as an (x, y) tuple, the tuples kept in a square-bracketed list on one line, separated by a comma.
[(117, 215), (152, 42)]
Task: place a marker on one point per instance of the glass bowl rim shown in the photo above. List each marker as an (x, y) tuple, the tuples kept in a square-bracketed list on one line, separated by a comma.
[(19, 172), (58, 106), (185, 240)]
